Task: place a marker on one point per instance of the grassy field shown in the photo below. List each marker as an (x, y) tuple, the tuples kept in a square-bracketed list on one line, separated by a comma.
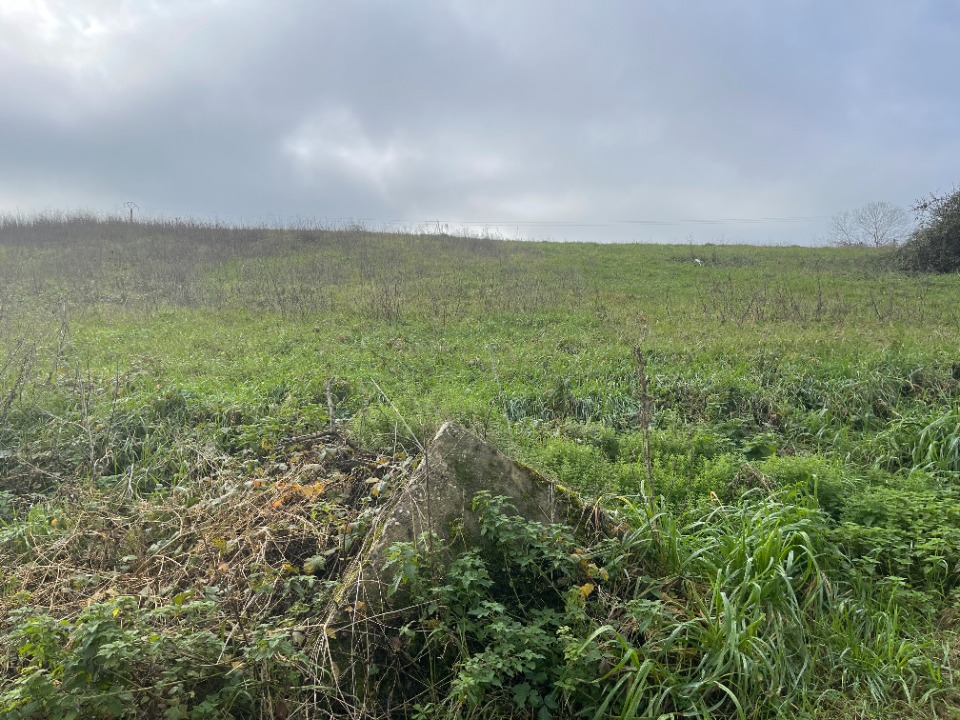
[(792, 549)]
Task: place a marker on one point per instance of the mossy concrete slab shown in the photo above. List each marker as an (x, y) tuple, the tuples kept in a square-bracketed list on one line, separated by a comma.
[(436, 502)]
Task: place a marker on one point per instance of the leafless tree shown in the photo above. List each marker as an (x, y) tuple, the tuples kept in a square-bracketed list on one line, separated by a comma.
[(876, 224)]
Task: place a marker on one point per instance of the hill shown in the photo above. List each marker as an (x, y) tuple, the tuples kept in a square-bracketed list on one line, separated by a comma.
[(194, 416)]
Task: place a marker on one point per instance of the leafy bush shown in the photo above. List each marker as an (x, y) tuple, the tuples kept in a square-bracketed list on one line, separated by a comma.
[(935, 245), (913, 535), (117, 659), (750, 611)]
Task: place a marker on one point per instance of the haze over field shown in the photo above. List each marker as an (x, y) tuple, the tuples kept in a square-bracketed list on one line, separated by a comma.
[(614, 121)]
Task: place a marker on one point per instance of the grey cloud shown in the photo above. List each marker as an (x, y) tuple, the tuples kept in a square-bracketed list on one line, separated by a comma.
[(501, 111)]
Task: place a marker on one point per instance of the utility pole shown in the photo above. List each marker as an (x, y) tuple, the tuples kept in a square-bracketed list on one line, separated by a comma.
[(133, 206)]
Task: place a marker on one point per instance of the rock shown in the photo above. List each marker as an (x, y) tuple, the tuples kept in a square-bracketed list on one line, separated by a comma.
[(437, 499), (358, 621)]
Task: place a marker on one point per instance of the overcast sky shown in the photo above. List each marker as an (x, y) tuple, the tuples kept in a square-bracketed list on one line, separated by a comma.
[(627, 121)]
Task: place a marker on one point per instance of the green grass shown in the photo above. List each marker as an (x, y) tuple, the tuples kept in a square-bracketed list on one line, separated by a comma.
[(804, 442)]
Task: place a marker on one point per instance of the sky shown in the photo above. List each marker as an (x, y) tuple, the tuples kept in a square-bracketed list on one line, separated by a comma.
[(694, 121)]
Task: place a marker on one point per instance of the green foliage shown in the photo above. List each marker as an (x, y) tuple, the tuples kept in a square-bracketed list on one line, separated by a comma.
[(749, 611), (100, 664), (929, 441), (935, 245), (803, 446), (914, 535)]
